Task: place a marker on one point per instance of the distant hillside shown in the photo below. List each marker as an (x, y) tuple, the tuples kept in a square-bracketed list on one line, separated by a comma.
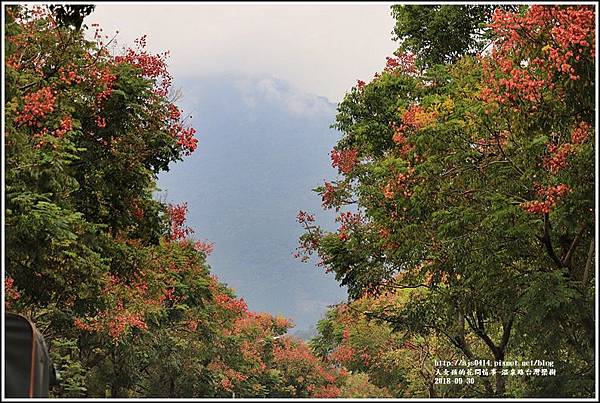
[(262, 147)]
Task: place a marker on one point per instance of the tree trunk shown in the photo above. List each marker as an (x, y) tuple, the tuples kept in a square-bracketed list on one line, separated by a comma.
[(431, 389), (500, 384), (114, 389), (171, 387)]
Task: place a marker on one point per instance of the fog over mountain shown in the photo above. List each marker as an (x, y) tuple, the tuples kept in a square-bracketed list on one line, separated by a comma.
[(262, 147)]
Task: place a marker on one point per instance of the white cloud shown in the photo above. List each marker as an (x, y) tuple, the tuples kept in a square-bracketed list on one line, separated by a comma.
[(268, 90), (321, 48)]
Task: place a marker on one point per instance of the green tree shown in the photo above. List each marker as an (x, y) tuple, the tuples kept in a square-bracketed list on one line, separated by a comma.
[(441, 34), (472, 180)]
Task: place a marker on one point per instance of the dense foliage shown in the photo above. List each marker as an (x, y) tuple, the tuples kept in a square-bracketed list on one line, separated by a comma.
[(465, 201), (466, 190), (112, 277), (387, 363)]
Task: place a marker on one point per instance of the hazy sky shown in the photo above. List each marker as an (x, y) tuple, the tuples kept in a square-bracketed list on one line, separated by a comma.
[(320, 49)]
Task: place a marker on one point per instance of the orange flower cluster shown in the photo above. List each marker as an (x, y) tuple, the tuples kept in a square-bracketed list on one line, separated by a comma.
[(413, 119), (37, 105), (205, 247), (177, 215), (65, 125), (404, 62), (347, 220), (344, 160), (400, 184), (116, 323), (304, 217), (558, 158), (328, 195), (581, 133), (234, 305), (550, 196), (568, 34), (68, 75)]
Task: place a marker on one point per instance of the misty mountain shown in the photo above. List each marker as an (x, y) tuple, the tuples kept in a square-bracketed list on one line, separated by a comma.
[(262, 147)]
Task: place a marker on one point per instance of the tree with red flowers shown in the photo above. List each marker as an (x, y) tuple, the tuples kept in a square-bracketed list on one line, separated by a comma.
[(87, 132), (471, 187), (113, 278)]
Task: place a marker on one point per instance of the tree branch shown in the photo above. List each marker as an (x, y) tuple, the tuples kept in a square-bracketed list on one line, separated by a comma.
[(499, 146), (478, 327), (566, 260), (507, 327), (588, 264), (547, 242)]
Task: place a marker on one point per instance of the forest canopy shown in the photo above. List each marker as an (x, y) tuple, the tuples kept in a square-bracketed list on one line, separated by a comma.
[(464, 199)]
